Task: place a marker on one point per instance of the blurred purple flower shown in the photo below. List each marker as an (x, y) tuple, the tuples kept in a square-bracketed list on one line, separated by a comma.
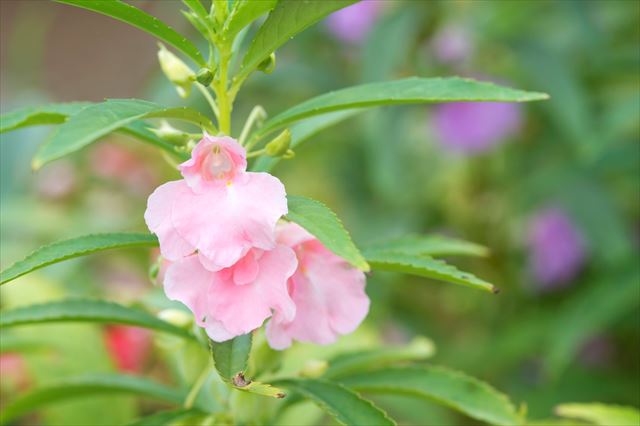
[(452, 44), (557, 249), (352, 23), (474, 127)]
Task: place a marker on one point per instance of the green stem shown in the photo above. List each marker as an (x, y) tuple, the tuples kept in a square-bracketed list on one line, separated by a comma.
[(256, 153), (225, 104), (195, 390)]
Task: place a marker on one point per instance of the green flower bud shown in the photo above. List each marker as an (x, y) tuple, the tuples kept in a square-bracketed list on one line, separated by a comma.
[(171, 134), (176, 71), (176, 317), (268, 65), (279, 146), (314, 368), (204, 77)]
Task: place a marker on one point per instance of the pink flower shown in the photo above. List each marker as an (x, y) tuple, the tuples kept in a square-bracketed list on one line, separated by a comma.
[(218, 209), (128, 347), (235, 300), (352, 23), (328, 293)]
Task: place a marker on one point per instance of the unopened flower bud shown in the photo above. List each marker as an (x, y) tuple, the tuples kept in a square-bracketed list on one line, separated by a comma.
[(314, 368), (176, 71), (204, 77), (268, 65), (171, 134), (176, 317), (279, 146)]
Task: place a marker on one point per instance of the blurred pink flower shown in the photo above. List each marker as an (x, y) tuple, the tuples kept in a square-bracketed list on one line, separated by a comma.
[(452, 44), (235, 300), (328, 294), (474, 127), (557, 249), (218, 209), (128, 347), (57, 181), (352, 23), (112, 161), (13, 371)]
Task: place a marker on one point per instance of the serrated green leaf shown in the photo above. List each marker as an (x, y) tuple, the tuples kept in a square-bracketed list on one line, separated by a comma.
[(286, 20), (245, 12), (230, 358), (425, 266), (167, 418), (465, 394), (344, 405), (412, 90), (302, 131), (600, 414), (344, 364), (99, 384), (75, 247), (428, 245), (320, 221), (98, 120), (40, 115), (132, 15), (87, 310)]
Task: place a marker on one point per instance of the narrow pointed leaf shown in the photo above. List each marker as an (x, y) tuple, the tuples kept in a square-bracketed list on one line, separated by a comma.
[(167, 418), (431, 245), (75, 247), (133, 16), (344, 405), (304, 130), (600, 414), (344, 364), (412, 90), (87, 310), (98, 120), (40, 115), (286, 20), (320, 221), (231, 357), (245, 12), (99, 384), (426, 266), (465, 394)]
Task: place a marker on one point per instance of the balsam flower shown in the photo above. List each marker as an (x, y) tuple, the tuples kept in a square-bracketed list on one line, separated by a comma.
[(353, 23), (218, 209), (235, 300), (328, 294)]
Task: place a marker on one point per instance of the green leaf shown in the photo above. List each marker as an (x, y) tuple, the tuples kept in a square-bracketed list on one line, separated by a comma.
[(75, 247), (40, 115), (197, 8), (600, 414), (245, 12), (320, 221), (304, 130), (167, 418), (419, 349), (285, 21), (231, 357), (408, 91), (87, 310), (466, 394), (141, 130), (99, 384), (98, 120), (344, 405), (263, 389), (425, 266), (131, 15), (432, 245)]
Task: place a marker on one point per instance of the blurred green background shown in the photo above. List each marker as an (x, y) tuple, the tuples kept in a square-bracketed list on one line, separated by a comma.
[(545, 339)]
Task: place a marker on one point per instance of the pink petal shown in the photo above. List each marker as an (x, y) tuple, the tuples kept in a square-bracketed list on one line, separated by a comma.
[(214, 161), (224, 222), (328, 293), (158, 219), (243, 308), (187, 281)]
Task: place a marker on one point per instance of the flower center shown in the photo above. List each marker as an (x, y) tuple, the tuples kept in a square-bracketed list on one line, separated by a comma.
[(218, 163)]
